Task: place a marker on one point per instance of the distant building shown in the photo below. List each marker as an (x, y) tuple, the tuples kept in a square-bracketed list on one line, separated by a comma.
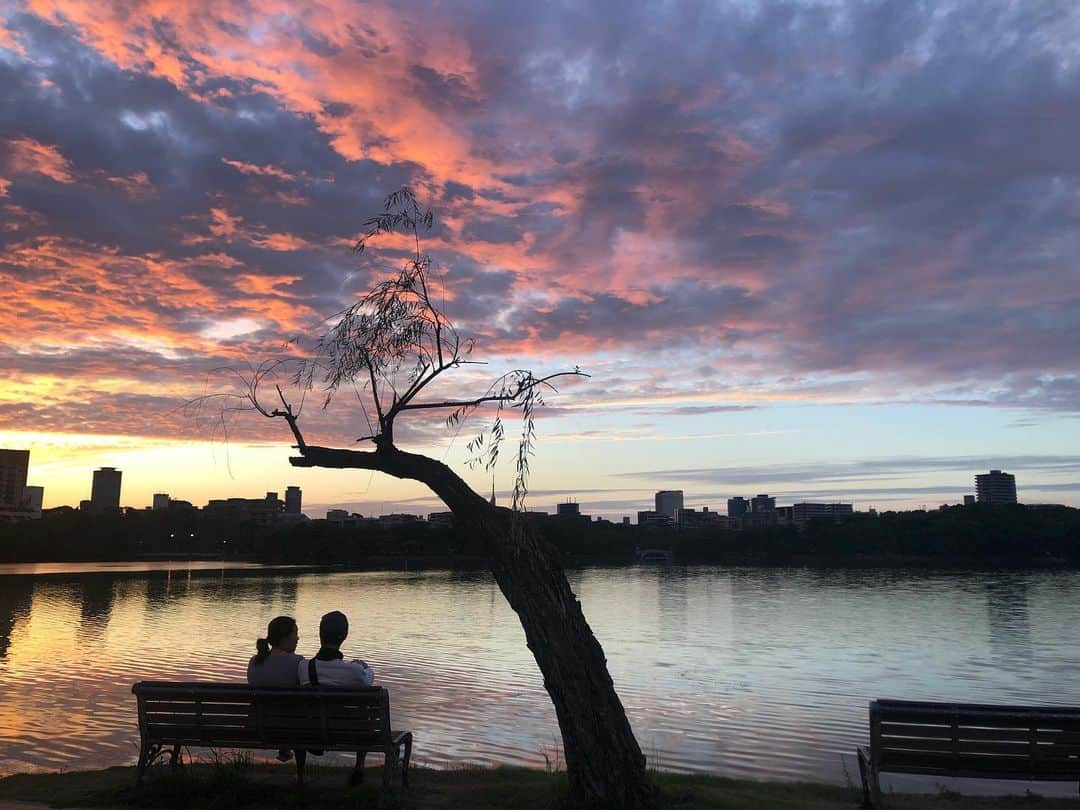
[(570, 512), (995, 487), (161, 501), (568, 509), (394, 520), (255, 510), (441, 520), (803, 513), (969, 500), (785, 515), (292, 500), (626, 520), (105, 490), (655, 520), (669, 501), (758, 520), (14, 465), (693, 519), (762, 503), (737, 507), (337, 515), (33, 498)]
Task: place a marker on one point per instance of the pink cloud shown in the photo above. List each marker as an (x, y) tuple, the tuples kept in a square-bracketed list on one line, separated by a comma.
[(28, 156)]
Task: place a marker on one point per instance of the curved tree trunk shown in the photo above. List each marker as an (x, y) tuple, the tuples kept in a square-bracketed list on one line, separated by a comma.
[(603, 760)]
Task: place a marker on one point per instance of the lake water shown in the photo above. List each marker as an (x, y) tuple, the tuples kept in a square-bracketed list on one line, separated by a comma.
[(741, 671)]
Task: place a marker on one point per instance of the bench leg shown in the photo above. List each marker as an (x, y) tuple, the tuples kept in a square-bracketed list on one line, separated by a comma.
[(390, 761), (870, 785), (140, 769), (357, 775), (301, 757), (175, 757), (407, 739), (148, 752)]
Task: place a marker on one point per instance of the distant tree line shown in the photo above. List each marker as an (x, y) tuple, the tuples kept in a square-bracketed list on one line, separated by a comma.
[(999, 536)]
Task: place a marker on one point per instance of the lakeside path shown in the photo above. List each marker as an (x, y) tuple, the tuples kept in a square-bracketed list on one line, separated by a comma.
[(244, 785)]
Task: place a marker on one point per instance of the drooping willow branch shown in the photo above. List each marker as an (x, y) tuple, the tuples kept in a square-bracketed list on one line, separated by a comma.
[(393, 343)]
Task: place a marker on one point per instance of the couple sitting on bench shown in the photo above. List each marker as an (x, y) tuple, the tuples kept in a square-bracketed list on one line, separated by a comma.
[(277, 664)]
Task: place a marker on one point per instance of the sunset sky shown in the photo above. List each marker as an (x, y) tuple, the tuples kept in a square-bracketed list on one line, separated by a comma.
[(825, 250)]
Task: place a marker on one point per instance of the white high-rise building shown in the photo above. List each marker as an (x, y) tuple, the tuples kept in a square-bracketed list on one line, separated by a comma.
[(995, 487), (669, 502)]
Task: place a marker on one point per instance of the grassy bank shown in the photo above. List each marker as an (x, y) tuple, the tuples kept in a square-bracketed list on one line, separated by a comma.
[(215, 787)]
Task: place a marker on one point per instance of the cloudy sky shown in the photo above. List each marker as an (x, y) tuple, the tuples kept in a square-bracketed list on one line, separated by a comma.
[(827, 250)]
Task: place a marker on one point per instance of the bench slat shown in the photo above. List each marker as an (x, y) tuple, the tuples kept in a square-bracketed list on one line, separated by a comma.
[(889, 730), (947, 747)]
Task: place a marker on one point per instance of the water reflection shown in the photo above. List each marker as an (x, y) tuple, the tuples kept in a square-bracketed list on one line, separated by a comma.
[(757, 672), (96, 603), (16, 593), (1009, 625)]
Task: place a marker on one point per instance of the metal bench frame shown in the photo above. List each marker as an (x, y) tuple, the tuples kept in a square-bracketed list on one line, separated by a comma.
[(970, 740), (225, 715)]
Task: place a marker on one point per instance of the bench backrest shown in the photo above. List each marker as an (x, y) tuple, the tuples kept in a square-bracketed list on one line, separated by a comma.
[(967, 739), (214, 714)]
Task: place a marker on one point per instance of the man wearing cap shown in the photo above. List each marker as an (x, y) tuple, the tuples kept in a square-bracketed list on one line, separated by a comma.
[(329, 667)]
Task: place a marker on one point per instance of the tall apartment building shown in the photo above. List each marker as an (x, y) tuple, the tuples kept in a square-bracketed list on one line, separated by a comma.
[(995, 487), (292, 500), (669, 502), (14, 465), (105, 490), (737, 506), (762, 503)]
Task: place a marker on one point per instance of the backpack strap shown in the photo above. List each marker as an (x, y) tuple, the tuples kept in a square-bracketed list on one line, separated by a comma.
[(313, 673)]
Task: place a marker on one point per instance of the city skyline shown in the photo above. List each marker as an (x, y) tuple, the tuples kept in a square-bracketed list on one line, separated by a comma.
[(798, 261), (664, 501)]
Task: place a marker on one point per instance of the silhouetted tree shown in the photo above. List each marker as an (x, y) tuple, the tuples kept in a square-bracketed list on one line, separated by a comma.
[(390, 347)]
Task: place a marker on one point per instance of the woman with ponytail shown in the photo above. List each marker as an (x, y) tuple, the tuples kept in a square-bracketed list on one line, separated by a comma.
[(276, 662)]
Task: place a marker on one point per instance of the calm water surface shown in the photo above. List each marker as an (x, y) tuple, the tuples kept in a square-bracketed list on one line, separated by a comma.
[(747, 672)]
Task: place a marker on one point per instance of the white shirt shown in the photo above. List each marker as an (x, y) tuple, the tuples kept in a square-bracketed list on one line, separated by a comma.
[(337, 672)]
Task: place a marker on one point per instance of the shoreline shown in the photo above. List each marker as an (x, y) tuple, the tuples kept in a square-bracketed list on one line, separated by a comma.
[(238, 782), (448, 563)]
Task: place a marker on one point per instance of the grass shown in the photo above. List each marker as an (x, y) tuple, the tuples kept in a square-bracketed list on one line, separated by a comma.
[(240, 784)]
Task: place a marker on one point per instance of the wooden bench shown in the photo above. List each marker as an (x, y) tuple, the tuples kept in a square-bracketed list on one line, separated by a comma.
[(226, 715), (972, 740)]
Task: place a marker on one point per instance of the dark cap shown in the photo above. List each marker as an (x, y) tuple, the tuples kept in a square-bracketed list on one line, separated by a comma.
[(333, 628)]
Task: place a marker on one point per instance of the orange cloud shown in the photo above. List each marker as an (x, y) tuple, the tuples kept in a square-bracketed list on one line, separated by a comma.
[(265, 171), (222, 224), (137, 185), (280, 242), (28, 156)]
